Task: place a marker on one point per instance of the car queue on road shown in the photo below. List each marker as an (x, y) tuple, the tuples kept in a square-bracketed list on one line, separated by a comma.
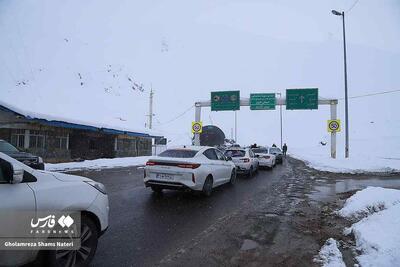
[(190, 168), (202, 168)]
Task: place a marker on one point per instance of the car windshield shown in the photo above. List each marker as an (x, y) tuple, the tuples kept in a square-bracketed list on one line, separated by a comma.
[(260, 150), (275, 150), (6, 147), (235, 153), (178, 153)]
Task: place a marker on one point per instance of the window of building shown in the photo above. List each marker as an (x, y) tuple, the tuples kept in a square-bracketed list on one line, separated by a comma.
[(18, 138), (62, 141), (36, 139)]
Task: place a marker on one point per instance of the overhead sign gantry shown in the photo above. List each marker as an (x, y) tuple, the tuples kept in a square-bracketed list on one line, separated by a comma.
[(296, 99)]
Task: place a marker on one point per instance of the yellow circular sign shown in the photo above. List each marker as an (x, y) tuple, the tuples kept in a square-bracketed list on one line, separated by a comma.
[(197, 127), (333, 126)]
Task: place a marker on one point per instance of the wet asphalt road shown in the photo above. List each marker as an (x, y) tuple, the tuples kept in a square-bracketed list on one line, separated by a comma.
[(145, 227)]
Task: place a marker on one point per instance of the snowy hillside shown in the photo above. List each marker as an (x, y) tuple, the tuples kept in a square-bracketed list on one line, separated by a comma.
[(96, 61)]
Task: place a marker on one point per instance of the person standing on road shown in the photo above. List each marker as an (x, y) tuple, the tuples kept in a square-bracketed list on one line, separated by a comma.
[(284, 149)]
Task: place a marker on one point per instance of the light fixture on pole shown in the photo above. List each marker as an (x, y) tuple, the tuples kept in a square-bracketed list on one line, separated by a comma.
[(337, 13)]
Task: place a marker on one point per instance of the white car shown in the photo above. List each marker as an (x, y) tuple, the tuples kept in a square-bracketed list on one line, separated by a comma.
[(196, 168), (244, 159), (265, 158), (23, 189)]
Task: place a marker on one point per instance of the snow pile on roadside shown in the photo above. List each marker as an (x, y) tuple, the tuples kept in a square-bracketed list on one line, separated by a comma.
[(330, 255), (370, 200), (367, 155), (377, 235), (97, 164)]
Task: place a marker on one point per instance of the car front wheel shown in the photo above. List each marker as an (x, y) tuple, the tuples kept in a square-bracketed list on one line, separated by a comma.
[(84, 255)]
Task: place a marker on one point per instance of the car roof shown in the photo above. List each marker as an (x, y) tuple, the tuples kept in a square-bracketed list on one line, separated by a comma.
[(236, 148), (196, 148)]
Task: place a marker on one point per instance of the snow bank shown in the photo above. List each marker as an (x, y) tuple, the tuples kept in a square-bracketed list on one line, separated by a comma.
[(330, 255), (377, 236), (98, 164), (370, 200), (367, 155)]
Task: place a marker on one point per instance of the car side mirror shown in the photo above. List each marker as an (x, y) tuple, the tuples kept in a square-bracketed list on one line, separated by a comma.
[(228, 158), (11, 172)]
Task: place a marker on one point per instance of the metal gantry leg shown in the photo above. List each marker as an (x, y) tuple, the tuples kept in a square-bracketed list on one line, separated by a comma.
[(333, 134), (197, 117)]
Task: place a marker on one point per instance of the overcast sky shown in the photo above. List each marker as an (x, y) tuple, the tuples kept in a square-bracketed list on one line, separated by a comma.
[(186, 49)]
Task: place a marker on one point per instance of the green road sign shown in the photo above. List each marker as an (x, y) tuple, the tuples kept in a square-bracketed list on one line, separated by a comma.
[(262, 101), (225, 100), (302, 98)]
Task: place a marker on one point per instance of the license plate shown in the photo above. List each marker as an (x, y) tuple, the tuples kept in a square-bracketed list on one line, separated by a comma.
[(164, 176)]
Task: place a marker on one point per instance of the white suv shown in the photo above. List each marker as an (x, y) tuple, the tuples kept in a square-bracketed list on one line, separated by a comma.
[(244, 159), (23, 189)]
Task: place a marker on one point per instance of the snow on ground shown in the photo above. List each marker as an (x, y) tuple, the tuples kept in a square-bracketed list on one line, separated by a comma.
[(370, 200), (330, 255), (97, 164), (366, 155), (377, 235)]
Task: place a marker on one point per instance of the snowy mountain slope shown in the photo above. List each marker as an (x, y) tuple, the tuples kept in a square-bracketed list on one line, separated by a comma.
[(187, 49)]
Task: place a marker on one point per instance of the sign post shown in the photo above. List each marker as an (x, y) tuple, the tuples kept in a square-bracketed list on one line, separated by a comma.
[(333, 133), (295, 99)]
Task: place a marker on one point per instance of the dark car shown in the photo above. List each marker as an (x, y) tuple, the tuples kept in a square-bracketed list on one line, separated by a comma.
[(32, 161), (277, 152)]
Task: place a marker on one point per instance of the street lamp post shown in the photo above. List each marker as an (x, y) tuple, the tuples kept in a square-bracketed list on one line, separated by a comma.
[(336, 13)]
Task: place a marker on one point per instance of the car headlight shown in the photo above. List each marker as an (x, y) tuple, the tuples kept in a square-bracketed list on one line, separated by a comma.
[(40, 160), (98, 186)]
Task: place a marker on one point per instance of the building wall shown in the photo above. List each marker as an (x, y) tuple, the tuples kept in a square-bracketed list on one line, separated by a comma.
[(91, 145), (130, 146), (56, 144)]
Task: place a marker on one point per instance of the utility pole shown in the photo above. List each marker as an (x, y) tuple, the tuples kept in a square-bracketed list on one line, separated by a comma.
[(235, 127), (151, 108), (280, 114), (346, 99)]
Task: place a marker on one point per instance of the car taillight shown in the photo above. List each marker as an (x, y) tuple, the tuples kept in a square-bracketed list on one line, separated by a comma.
[(173, 164), (266, 157), (188, 165), (246, 160)]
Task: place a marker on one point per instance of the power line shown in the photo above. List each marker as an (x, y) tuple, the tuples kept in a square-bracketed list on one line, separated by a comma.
[(373, 94), (178, 116), (354, 4)]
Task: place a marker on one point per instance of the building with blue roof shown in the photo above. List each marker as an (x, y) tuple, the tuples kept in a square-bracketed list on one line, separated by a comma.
[(60, 140)]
